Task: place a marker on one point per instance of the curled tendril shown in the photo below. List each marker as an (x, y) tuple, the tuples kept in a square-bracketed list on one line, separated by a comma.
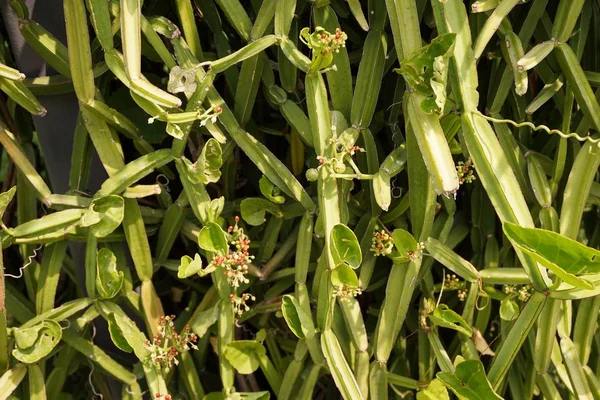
[(27, 264), (540, 128)]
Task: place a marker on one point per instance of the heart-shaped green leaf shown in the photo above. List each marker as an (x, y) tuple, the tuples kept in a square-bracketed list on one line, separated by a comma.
[(270, 191), (426, 71), (213, 209), (6, 198), (36, 342), (563, 256), (469, 382), (244, 355), (209, 162), (108, 279), (382, 189), (205, 320), (189, 267), (212, 238), (405, 245), (345, 247), (299, 322), (104, 215), (343, 275), (435, 391), (447, 318), (509, 309), (116, 334), (254, 210), (174, 130)]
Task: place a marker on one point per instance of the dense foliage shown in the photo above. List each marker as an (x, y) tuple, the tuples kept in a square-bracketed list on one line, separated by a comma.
[(307, 199)]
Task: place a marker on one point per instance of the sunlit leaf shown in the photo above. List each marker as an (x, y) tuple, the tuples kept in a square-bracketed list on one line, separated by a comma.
[(189, 267), (299, 322), (343, 275), (212, 238), (116, 334), (382, 189), (244, 355), (254, 209), (345, 247), (108, 279), (563, 256), (435, 391), (469, 382), (6, 198), (270, 191), (104, 215), (207, 318), (405, 245), (446, 318), (509, 310), (426, 71), (209, 162), (36, 342)]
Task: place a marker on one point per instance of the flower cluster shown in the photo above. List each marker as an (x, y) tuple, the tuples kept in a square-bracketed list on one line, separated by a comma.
[(382, 243), (168, 344), (235, 263), (523, 293), (159, 396), (465, 172), (418, 253), (353, 149), (452, 282), (344, 292), (239, 303), (324, 42)]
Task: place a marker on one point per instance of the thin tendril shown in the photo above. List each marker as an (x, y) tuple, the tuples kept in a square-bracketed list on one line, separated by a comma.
[(96, 394), (27, 264), (540, 128)]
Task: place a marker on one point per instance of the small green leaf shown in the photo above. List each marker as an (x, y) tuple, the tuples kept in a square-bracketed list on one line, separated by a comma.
[(561, 255), (108, 279), (244, 355), (299, 322), (345, 247), (6, 198), (254, 210), (382, 189), (435, 391), (446, 318), (261, 335), (469, 382), (347, 139), (343, 275), (182, 80), (212, 238), (174, 130), (116, 334), (270, 191), (426, 71), (213, 208), (509, 310), (209, 162), (207, 318), (189, 267), (36, 342), (104, 215), (405, 245)]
